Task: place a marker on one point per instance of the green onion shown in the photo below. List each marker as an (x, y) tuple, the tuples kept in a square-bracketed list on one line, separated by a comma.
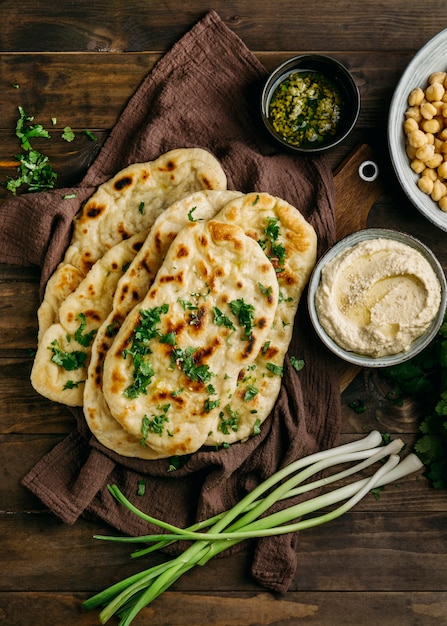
[(249, 518)]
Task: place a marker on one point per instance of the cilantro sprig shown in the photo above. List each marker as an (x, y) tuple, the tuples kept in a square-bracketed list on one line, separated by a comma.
[(34, 170), (424, 377)]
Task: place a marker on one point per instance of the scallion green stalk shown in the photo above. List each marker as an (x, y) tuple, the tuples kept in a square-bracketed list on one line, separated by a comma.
[(250, 517)]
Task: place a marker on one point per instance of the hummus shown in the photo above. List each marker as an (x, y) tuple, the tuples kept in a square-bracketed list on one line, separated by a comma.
[(377, 297)]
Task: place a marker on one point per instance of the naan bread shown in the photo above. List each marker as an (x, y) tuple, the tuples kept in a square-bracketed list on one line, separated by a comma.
[(255, 212), (131, 289), (273, 223), (170, 396), (67, 343), (123, 206)]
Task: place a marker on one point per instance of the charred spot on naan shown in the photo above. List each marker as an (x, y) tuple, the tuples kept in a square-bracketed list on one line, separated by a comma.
[(90, 211), (123, 182)]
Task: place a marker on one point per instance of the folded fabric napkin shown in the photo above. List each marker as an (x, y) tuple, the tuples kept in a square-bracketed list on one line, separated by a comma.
[(203, 93)]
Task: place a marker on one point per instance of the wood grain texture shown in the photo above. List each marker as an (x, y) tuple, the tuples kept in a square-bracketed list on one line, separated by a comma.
[(386, 561)]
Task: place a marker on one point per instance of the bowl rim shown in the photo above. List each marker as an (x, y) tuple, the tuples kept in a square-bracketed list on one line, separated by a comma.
[(421, 342), (287, 67), (414, 75)]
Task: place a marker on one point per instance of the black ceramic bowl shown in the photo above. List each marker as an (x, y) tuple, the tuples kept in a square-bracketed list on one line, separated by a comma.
[(326, 69)]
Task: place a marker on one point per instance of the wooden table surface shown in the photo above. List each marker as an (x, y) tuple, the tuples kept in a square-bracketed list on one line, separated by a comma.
[(383, 563)]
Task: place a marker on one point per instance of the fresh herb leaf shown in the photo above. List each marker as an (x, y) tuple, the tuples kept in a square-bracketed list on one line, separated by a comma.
[(83, 338), (184, 358), (244, 313), (358, 406), (275, 369), (250, 393), (68, 134), (140, 350), (34, 170), (229, 423), (141, 490), (220, 319), (297, 364), (90, 135), (69, 361), (155, 425)]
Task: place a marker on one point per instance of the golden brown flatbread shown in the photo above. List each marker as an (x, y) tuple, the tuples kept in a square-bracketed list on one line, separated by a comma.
[(206, 315), (126, 204)]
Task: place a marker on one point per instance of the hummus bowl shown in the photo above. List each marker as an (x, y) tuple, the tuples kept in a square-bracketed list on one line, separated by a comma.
[(377, 297)]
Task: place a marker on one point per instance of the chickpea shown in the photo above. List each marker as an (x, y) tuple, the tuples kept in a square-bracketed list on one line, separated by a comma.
[(416, 96), (439, 190), (428, 110), (438, 145), (437, 77), (425, 128), (431, 126), (411, 151), (425, 153), (435, 161), (413, 112), (410, 124), (435, 91), (429, 172), (417, 138), (425, 184), (418, 166)]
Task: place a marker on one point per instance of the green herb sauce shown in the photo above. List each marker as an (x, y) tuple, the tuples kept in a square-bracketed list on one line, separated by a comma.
[(305, 109)]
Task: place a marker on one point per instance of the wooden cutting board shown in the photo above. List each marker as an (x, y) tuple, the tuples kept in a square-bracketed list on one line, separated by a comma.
[(354, 199)]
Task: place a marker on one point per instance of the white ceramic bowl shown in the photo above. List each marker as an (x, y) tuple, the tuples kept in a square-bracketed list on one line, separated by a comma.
[(419, 344), (431, 58)]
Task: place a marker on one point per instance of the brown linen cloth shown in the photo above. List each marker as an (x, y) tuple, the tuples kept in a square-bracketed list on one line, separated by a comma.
[(203, 93)]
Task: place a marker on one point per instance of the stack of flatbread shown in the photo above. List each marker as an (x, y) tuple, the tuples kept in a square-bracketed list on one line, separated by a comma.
[(170, 316)]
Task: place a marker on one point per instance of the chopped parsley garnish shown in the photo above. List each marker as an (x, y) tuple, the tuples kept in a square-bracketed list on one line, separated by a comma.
[(187, 305), (34, 169), (230, 423), (184, 358), (84, 339), (256, 200), (211, 404), (275, 369), (70, 384), (68, 134), (266, 291), (141, 208), (297, 364), (90, 135), (70, 361), (277, 250), (139, 350), (257, 427), (168, 338), (245, 314), (220, 319), (358, 406), (141, 490), (155, 425), (250, 393), (190, 212)]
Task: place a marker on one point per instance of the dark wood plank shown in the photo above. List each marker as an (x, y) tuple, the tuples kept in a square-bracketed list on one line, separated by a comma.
[(64, 85), (243, 609), (362, 552), (114, 26)]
